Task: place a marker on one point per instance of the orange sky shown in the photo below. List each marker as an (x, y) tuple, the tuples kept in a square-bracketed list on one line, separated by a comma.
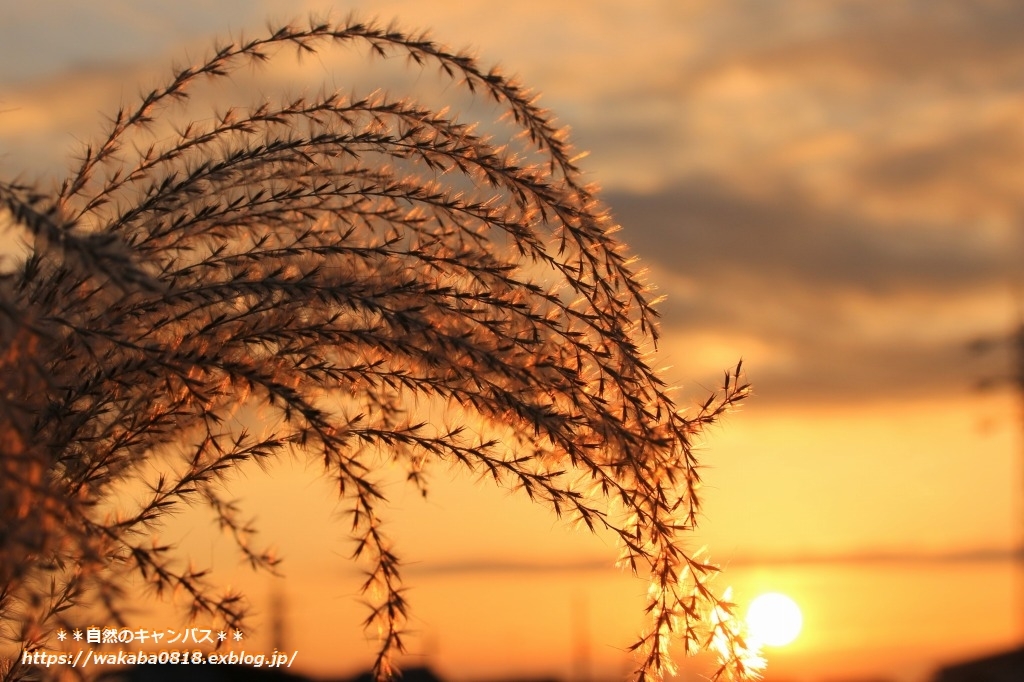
[(829, 190)]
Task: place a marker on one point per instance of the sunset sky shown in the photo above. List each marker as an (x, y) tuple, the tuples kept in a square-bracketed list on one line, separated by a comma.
[(827, 189)]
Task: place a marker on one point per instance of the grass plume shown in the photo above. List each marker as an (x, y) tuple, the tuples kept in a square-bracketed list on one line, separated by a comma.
[(361, 251)]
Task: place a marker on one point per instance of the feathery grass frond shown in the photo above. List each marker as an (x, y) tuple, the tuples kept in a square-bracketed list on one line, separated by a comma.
[(331, 260)]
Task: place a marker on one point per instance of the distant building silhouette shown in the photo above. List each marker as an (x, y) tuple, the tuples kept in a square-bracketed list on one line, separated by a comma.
[(244, 673), (417, 674), (241, 673), (1004, 667), (200, 673)]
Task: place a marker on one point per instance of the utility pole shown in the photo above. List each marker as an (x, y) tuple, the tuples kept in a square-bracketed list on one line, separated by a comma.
[(580, 633), (278, 618), (1015, 378)]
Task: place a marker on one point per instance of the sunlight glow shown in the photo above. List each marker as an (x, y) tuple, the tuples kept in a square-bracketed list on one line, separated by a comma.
[(774, 619), (740, 656)]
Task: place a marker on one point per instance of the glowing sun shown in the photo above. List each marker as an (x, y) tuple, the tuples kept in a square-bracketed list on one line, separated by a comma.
[(774, 619)]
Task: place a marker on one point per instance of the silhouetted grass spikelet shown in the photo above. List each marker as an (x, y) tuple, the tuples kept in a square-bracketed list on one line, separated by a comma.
[(352, 251)]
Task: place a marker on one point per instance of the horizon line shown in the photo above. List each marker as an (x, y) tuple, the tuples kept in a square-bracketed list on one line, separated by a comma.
[(867, 557)]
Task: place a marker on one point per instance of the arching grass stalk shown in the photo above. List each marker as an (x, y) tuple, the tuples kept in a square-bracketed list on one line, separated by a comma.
[(371, 251)]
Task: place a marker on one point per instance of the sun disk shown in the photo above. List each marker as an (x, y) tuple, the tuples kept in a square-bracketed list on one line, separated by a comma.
[(774, 619)]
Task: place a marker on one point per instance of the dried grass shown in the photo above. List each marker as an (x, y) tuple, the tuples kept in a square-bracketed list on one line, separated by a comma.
[(286, 255)]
